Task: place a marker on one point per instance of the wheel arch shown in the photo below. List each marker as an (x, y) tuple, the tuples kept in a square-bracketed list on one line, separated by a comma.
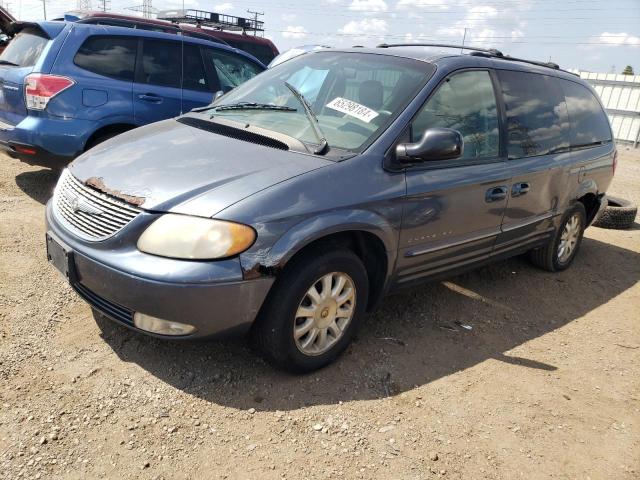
[(375, 243), (112, 128)]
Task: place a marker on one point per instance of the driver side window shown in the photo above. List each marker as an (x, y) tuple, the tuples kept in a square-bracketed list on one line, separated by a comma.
[(464, 102)]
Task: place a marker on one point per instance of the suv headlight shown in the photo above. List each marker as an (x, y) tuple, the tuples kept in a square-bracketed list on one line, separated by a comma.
[(195, 238)]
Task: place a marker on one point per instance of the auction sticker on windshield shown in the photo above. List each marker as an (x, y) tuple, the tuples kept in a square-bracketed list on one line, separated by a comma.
[(352, 108)]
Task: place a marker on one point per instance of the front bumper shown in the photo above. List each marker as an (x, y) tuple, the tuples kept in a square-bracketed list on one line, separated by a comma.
[(211, 296)]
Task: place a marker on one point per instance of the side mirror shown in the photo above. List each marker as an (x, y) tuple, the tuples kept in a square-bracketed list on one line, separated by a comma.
[(217, 95), (435, 144)]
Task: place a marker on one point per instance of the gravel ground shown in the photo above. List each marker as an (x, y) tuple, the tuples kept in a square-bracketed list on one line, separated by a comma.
[(546, 384)]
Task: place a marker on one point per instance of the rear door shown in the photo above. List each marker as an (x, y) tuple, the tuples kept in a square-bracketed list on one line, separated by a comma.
[(157, 92), (537, 127), (16, 62), (453, 209)]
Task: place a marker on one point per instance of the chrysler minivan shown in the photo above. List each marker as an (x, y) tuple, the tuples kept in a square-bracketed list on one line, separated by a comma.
[(293, 204)]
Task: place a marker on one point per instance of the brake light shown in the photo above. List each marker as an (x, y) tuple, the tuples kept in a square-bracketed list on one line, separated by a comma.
[(39, 88), (615, 161)]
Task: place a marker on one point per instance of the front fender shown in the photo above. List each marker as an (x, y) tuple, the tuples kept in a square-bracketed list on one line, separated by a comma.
[(312, 229)]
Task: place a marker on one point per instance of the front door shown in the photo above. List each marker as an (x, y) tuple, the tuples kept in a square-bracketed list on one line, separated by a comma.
[(156, 92), (453, 209)]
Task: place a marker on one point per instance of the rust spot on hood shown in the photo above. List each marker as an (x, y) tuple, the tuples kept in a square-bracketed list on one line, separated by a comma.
[(98, 184)]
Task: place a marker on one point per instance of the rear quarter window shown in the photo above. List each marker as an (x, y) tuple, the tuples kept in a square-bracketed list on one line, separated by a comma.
[(537, 122), (25, 49), (589, 122), (111, 56)]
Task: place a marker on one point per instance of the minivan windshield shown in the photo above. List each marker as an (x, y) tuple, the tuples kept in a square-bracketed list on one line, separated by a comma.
[(25, 49), (354, 96)]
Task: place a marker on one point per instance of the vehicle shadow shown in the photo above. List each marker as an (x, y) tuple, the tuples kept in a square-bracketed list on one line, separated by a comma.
[(415, 338), (38, 184)]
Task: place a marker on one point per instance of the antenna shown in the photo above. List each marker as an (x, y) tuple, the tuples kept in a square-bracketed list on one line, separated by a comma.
[(255, 19)]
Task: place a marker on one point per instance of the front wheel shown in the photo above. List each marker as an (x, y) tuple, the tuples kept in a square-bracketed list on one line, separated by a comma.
[(313, 311), (559, 253)]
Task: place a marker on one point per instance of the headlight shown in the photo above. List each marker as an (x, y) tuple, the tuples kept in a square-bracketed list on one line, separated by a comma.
[(196, 238)]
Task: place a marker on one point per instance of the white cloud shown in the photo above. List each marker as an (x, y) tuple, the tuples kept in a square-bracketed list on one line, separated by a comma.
[(294, 32), (368, 6), (364, 26), (482, 11), (406, 4), (223, 7), (617, 39)]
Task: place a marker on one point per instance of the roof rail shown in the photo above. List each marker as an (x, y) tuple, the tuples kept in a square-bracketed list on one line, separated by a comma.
[(477, 52), (491, 51), (555, 66)]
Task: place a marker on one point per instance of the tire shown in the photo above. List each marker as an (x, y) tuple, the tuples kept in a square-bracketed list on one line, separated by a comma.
[(273, 331), (549, 257), (619, 214)]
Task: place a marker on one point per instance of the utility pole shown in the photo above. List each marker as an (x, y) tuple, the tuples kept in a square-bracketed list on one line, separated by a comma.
[(464, 37), (255, 20), (44, 8)]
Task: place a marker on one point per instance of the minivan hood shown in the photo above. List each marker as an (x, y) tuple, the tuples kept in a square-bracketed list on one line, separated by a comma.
[(171, 167)]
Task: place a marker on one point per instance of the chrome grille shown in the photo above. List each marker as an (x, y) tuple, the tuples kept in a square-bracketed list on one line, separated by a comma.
[(88, 213)]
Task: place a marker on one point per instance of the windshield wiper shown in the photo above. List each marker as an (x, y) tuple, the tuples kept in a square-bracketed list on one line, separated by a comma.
[(7, 62), (313, 120), (251, 106)]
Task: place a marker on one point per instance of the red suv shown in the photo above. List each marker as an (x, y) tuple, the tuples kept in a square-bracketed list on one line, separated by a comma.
[(261, 48)]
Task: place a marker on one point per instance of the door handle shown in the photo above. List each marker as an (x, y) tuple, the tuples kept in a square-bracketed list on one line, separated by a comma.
[(519, 189), (495, 194), (150, 97)]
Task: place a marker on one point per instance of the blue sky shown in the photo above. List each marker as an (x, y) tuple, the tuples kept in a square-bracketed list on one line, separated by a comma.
[(586, 34)]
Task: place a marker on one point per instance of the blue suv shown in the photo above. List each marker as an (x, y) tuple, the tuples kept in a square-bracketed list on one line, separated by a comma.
[(65, 87)]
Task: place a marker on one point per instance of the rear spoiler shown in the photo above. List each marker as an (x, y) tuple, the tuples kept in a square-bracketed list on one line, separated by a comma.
[(48, 30)]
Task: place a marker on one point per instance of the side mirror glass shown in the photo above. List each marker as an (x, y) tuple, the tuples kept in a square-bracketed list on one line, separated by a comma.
[(435, 144)]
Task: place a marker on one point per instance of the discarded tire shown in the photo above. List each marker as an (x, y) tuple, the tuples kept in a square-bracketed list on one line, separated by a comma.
[(619, 214)]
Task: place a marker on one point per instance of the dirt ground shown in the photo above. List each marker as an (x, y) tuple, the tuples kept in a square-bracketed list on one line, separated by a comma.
[(546, 384)]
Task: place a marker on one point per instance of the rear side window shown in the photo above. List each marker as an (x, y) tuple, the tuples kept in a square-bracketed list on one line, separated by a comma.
[(109, 56), (161, 63), (231, 69), (537, 122), (589, 123), (25, 49), (465, 102)]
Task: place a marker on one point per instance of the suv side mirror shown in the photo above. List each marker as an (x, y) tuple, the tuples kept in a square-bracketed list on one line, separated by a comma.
[(436, 144)]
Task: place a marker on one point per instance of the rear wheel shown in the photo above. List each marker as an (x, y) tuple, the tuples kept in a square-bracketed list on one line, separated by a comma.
[(559, 253), (314, 310)]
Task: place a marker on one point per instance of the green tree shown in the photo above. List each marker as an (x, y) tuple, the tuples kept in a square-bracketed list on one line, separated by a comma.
[(628, 70)]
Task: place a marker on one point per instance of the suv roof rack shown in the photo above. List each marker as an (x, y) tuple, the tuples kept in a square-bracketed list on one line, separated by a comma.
[(492, 51), (218, 21), (475, 51)]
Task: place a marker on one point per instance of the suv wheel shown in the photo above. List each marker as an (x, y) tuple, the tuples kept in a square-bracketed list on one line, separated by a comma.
[(559, 253), (313, 311)]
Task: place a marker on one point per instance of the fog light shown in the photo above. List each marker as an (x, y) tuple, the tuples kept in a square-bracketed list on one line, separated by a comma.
[(161, 327)]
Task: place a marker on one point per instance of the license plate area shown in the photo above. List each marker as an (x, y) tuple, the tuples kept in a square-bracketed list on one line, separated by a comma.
[(60, 256)]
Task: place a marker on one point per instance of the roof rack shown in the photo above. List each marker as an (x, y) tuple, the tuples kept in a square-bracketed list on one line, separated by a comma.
[(218, 21), (477, 52), (492, 51)]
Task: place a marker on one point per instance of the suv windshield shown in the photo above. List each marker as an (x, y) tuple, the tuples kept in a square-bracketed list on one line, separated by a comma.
[(355, 96), (25, 49)]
